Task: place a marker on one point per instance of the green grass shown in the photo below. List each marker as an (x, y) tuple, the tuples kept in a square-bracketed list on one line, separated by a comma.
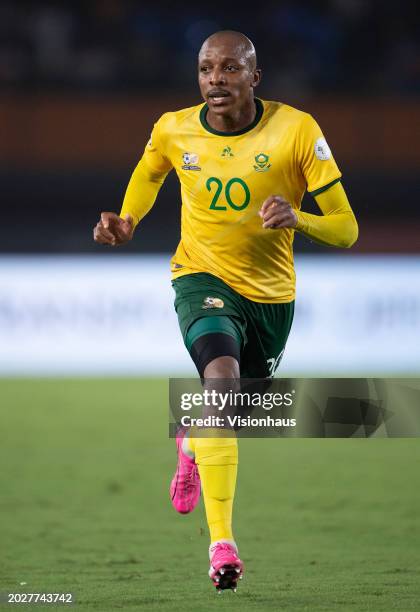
[(323, 525)]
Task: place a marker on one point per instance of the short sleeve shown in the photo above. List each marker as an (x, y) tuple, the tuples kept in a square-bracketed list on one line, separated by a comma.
[(154, 153), (314, 157)]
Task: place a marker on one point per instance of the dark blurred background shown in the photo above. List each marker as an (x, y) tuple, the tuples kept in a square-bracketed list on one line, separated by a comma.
[(81, 84)]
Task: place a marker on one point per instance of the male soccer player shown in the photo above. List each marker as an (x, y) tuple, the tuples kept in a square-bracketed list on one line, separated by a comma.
[(244, 165)]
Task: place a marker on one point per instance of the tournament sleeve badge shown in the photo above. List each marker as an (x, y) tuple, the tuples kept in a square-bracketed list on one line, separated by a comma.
[(322, 150)]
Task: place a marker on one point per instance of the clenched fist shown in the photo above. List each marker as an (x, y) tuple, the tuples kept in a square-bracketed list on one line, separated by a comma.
[(113, 230), (276, 212)]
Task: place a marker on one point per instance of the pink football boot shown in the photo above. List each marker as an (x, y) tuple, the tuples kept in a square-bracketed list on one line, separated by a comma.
[(185, 486), (226, 568)]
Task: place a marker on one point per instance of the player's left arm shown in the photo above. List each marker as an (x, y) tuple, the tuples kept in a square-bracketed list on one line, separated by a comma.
[(337, 226)]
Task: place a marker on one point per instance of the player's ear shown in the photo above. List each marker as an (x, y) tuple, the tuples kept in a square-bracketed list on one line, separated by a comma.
[(256, 77)]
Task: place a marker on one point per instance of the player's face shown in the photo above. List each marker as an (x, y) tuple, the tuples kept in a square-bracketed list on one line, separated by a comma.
[(225, 77)]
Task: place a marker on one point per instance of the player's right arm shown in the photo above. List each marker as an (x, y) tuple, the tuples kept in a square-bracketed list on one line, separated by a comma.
[(141, 194)]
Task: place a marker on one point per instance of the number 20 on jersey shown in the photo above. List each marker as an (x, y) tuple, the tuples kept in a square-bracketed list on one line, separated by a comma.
[(216, 187)]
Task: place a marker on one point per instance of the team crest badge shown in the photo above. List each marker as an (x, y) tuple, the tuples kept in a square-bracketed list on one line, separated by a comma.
[(261, 162), (212, 302)]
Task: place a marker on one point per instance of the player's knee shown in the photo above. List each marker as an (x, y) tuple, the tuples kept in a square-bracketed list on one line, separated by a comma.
[(222, 367)]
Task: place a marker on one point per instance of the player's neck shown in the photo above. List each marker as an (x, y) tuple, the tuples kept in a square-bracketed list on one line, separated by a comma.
[(234, 122)]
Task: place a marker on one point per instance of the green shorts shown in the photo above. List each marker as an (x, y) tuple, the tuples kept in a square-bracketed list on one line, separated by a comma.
[(261, 329)]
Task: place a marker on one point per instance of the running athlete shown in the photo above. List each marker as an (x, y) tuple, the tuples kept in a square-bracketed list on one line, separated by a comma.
[(244, 165)]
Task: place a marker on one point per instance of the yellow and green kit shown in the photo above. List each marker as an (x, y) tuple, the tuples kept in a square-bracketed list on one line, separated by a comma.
[(234, 280), (225, 178), (225, 255)]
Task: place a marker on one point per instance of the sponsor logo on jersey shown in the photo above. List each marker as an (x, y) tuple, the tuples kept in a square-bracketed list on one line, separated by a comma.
[(190, 161), (227, 152), (261, 161), (322, 150), (212, 302)]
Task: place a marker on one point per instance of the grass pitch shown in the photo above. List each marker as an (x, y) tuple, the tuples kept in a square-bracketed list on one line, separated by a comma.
[(323, 525)]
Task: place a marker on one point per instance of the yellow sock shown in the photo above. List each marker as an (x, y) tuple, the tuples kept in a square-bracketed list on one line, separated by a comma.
[(217, 460)]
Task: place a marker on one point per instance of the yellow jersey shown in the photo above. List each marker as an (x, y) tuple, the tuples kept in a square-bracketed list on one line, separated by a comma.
[(225, 178)]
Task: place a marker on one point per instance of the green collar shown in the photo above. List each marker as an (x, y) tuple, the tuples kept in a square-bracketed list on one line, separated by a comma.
[(206, 126)]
